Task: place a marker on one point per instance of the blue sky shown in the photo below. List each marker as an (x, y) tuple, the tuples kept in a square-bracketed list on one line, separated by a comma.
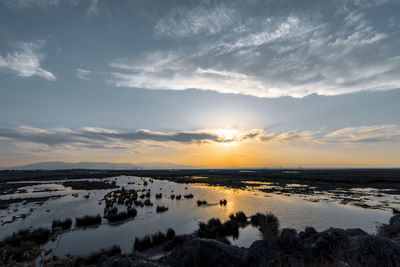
[(133, 81)]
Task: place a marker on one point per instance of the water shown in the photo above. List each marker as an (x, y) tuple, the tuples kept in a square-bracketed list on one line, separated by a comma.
[(294, 211)]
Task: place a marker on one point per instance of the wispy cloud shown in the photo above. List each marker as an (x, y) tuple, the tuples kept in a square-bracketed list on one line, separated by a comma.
[(26, 61), (365, 134), (38, 3), (182, 22), (93, 8), (179, 77), (83, 74), (277, 54)]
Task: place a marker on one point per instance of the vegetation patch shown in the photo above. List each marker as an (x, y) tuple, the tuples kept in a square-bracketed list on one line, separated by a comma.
[(89, 185), (63, 225), (161, 209), (87, 220), (201, 203), (154, 240), (147, 202), (21, 246)]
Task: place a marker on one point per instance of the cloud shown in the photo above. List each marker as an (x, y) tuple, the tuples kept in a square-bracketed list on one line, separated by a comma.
[(206, 79), (254, 36), (286, 52), (365, 134), (173, 71), (93, 8), (37, 3), (83, 74), (99, 138), (26, 62), (92, 137), (183, 22), (294, 136)]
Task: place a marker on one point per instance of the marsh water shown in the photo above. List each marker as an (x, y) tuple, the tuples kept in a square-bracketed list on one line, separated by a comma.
[(293, 210)]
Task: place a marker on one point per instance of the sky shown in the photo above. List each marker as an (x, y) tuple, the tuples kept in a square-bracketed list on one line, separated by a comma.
[(247, 83)]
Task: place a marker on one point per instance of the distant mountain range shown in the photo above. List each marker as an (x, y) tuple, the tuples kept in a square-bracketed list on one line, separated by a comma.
[(59, 165)]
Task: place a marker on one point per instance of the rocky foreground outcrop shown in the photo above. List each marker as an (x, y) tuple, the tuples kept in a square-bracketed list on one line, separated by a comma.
[(332, 247)]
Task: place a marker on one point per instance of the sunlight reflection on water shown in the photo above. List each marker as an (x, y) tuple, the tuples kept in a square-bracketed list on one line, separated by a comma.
[(183, 215)]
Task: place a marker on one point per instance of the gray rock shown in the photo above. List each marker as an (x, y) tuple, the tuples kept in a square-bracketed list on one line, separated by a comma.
[(370, 250), (116, 261), (355, 232), (259, 254), (205, 252), (124, 261)]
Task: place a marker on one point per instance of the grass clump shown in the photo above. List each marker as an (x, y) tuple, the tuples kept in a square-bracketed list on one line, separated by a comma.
[(39, 236), (158, 196), (269, 227), (214, 229), (63, 225), (121, 216), (116, 216), (239, 217), (132, 212), (87, 220), (138, 203), (257, 219), (155, 239), (161, 209), (201, 202), (22, 245), (147, 202)]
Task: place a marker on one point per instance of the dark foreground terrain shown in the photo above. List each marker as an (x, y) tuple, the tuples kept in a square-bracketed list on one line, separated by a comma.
[(208, 246)]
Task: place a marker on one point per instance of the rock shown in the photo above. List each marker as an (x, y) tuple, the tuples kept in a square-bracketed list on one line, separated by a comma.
[(259, 254), (327, 244), (370, 250), (115, 261), (288, 241), (355, 232), (391, 230), (123, 261), (205, 252)]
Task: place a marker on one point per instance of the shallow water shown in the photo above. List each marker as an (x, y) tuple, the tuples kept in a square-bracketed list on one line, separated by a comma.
[(183, 216)]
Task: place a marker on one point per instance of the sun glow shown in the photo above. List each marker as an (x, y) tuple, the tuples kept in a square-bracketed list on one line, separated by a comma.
[(227, 137)]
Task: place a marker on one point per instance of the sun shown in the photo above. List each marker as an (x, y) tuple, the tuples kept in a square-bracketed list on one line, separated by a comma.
[(226, 135)]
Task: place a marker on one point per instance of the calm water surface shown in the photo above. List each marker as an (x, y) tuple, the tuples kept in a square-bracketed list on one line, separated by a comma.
[(183, 215)]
